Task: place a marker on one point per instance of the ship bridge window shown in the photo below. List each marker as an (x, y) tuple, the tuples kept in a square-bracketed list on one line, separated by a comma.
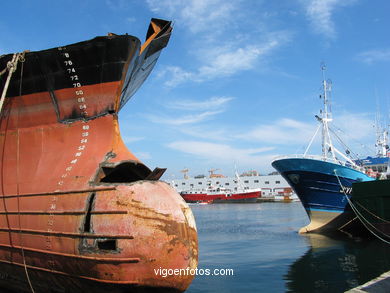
[(277, 182), (266, 182), (246, 181), (127, 172), (256, 181)]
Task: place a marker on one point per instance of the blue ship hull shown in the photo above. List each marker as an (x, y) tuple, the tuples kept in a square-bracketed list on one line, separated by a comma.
[(317, 184)]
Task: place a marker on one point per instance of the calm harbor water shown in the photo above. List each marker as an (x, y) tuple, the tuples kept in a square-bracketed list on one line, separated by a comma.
[(261, 244)]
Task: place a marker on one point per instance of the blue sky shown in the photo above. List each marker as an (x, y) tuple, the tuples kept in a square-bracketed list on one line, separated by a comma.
[(239, 81)]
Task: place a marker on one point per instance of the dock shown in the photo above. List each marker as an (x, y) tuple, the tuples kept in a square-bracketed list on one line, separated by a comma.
[(377, 285)]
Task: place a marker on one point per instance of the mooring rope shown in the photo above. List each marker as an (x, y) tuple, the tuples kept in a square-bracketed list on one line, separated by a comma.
[(365, 222), (22, 248), (20, 57), (11, 67), (371, 213), (3, 71)]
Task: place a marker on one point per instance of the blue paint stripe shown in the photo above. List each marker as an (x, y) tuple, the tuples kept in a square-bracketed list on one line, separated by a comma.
[(326, 210)]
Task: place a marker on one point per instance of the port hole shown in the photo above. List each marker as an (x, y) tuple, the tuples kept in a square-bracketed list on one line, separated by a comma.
[(106, 244)]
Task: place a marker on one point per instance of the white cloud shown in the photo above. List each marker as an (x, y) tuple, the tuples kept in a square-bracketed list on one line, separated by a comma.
[(283, 132), (217, 153), (143, 155), (211, 103), (197, 15), (117, 5), (356, 132), (185, 119), (212, 132), (175, 75), (274, 139), (320, 15), (204, 110), (357, 128), (129, 139), (223, 45), (373, 56), (233, 60), (224, 61)]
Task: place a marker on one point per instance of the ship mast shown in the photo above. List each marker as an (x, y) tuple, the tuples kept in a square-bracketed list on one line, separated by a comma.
[(381, 138), (185, 173), (327, 145), (329, 151)]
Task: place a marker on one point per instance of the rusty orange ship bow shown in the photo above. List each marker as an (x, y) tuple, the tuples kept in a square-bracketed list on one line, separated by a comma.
[(79, 212)]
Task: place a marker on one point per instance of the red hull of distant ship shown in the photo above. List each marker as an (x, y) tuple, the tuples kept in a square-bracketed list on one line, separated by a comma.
[(240, 197)]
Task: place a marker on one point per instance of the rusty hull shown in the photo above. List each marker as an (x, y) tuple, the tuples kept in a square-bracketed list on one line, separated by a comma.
[(113, 235), (77, 212)]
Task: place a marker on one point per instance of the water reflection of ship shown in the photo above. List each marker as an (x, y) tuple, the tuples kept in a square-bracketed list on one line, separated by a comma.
[(336, 265)]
